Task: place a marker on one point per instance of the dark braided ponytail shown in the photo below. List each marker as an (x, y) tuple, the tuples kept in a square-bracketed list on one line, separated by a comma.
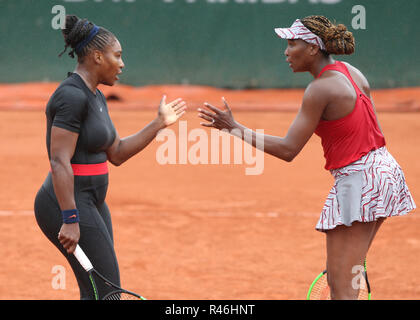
[(78, 30), (337, 39)]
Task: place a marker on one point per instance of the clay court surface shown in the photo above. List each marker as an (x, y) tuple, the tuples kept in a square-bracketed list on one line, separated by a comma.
[(204, 231)]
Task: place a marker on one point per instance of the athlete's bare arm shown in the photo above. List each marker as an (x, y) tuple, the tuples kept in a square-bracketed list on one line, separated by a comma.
[(315, 100)]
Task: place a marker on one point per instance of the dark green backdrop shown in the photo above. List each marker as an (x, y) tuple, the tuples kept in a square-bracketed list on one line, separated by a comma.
[(223, 43)]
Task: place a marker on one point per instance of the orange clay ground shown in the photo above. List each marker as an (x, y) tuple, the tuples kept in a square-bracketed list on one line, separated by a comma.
[(203, 231)]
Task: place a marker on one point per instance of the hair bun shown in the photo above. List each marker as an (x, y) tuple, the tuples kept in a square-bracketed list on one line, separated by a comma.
[(341, 28), (76, 30), (335, 32), (338, 40)]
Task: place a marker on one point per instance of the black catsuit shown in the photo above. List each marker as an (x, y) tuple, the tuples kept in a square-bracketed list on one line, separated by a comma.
[(76, 108)]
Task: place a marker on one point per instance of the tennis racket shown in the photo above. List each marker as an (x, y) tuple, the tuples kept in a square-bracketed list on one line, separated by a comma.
[(319, 289), (117, 292)]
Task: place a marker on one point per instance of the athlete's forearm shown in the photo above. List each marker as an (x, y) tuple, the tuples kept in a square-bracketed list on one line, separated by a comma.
[(63, 182), (131, 145), (273, 145)]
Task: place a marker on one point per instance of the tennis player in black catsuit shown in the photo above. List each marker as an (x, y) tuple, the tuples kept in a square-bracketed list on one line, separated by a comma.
[(70, 206)]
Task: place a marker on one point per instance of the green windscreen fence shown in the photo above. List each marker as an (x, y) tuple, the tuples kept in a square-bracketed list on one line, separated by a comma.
[(221, 43)]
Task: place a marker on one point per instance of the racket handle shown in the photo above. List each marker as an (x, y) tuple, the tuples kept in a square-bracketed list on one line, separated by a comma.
[(82, 258)]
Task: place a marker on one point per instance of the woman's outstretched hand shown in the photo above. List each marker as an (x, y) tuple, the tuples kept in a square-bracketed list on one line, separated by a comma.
[(216, 118), (171, 112)]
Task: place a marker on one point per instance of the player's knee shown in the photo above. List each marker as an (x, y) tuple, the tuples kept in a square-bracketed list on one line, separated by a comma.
[(344, 293), (341, 287)]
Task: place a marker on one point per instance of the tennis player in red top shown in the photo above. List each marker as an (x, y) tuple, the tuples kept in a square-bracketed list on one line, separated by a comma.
[(337, 106)]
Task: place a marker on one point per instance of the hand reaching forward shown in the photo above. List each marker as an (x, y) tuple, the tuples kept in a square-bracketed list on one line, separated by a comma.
[(171, 112), (217, 118)]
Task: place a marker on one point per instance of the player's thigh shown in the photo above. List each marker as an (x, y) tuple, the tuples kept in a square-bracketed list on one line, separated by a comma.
[(379, 223), (97, 242), (106, 218), (346, 248)]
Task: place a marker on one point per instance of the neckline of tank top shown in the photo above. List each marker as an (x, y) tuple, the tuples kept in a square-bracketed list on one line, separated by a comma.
[(83, 82), (324, 69)]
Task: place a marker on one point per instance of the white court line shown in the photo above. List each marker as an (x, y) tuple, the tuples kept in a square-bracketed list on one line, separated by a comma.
[(212, 214), (8, 213)]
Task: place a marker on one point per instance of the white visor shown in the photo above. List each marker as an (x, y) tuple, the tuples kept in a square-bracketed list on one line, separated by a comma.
[(299, 31)]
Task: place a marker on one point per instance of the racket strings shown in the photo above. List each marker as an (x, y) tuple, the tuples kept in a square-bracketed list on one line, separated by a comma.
[(321, 290), (121, 296)]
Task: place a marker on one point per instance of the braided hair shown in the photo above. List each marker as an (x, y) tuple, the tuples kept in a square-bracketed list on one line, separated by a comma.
[(78, 30), (337, 39)]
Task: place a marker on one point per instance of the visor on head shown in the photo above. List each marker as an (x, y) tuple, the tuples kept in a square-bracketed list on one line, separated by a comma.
[(299, 31)]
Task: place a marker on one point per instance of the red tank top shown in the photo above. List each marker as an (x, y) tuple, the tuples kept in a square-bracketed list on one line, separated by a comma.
[(347, 139)]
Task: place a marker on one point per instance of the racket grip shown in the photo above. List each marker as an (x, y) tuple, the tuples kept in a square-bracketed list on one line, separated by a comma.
[(82, 258)]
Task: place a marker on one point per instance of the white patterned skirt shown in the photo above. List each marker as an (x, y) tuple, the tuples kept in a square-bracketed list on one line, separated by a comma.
[(373, 187)]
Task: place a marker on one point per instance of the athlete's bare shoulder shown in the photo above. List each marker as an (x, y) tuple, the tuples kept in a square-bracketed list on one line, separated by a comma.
[(319, 88), (359, 78), (329, 86)]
